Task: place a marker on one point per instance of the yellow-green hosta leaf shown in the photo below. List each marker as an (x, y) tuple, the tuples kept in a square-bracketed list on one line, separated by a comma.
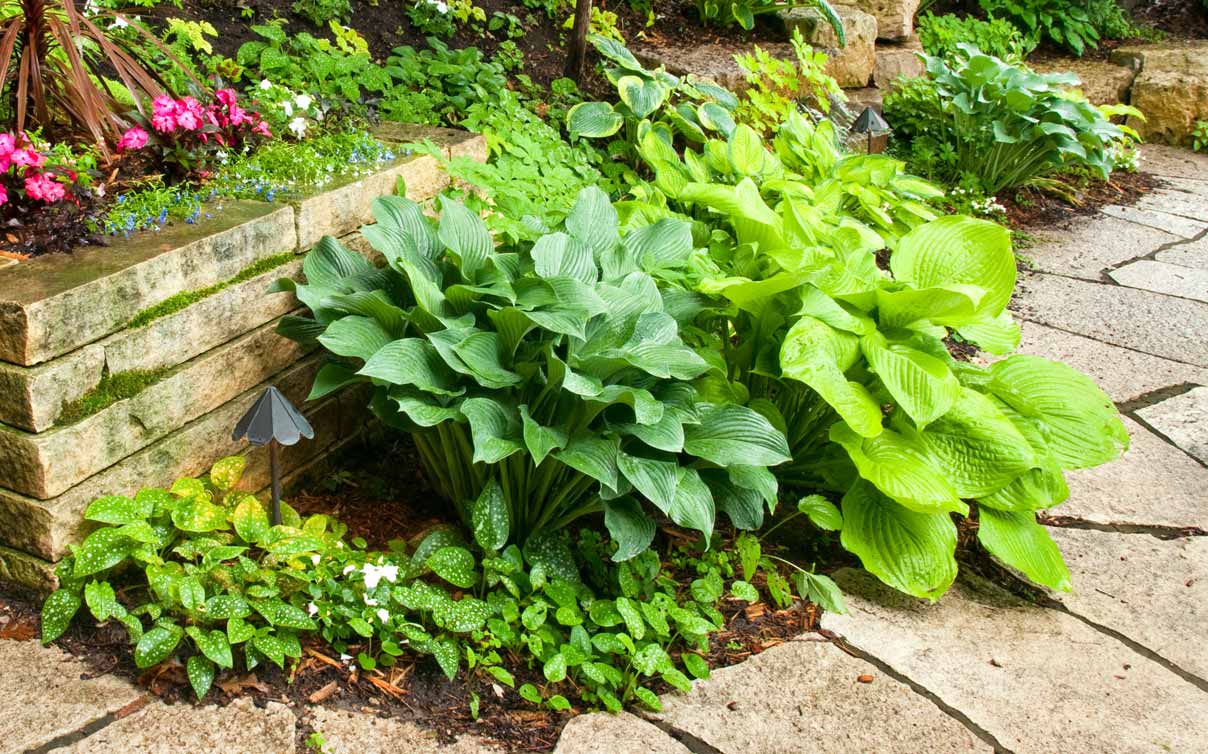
[(747, 153), (643, 96), (225, 474), (1017, 540), (818, 355), (998, 336), (900, 469), (976, 447), (912, 552), (944, 305), (594, 120), (922, 385), (959, 250)]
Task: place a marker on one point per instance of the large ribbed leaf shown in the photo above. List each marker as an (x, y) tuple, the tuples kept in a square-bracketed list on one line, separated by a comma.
[(643, 95), (900, 469), (412, 361), (408, 218), (999, 335), (354, 336), (539, 439), (1079, 423), (818, 355), (692, 507), (480, 353), (959, 250), (1018, 541), (593, 220), (594, 456), (910, 551), (729, 434), (628, 526), (948, 305), (666, 434), (976, 447), (329, 264), (373, 304), (560, 255), (465, 235), (1035, 489), (422, 408), (654, 478), (423, 276), (920, 384), (667, 243), (495, 428), (593, 120)]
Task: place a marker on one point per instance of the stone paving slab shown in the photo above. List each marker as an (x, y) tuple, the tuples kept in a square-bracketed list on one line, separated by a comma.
[(1183, 420), (1168, 161), (46, 695), (158, 728), (1173, 328), (1124, 375), (1189, 254), (347, 732), (803, 697), (604, 733), (1153, 591), (1163, 277), (1174, 202), (1170, 223), (1089, 246), (1038, 680), (1153, 484)]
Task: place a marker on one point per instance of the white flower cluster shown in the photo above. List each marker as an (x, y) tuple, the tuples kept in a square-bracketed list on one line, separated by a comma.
[(1124, 157), (298, 110), (988, 207), (440, 6)]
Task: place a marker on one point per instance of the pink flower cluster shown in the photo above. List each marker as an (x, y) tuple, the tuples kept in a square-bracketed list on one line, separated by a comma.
[(20, 161)]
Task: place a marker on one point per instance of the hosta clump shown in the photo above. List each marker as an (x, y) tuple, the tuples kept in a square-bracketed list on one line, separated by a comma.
[(541, 382), (196, 569), (848, 356)]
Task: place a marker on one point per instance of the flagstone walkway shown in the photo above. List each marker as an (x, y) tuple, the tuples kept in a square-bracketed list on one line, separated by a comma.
[(1118, 666)]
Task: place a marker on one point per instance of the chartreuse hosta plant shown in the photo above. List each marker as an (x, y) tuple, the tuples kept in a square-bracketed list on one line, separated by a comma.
[(204, 574), (849, 359), (545, 381)]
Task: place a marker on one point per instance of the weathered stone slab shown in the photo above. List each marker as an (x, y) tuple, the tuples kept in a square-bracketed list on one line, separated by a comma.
[(46, 527), (803, 697), (30, 571), (1089, 246), (1039, 681), (1123, 374), (160, 728), (1103, 82), (47, 464), (851, 64), (1190, 168), (453, 142), (1161, 277), (353, 733), (1171, 89), (623, 733), (1153, 591), (46, 695), (896, 61), (34, 396), (1173, 328), (895, 18), (1152, 484), (1171, 223), (56, 303), (1183, 420), (1176, 202), (1189, 254), (345, 207)]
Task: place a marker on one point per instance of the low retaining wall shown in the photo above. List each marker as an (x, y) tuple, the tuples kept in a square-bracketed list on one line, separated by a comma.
[(71, 324)]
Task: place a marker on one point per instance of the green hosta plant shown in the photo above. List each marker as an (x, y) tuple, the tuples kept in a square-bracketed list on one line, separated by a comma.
[(743, 12), (544, 381), (195, 569), (1065, 22)]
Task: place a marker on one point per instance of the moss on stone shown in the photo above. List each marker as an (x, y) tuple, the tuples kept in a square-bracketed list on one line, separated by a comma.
[(111, 389), (185, 299)]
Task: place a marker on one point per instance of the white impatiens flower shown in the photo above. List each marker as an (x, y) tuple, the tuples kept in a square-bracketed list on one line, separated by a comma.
[(315, 558), (383, 615), (287, 107), (439, 5), (345, 659), (265, 84), (374, 574), (303, 101), (349, 568), (312, 609), (119, 23), (298, 126), (370, 601)]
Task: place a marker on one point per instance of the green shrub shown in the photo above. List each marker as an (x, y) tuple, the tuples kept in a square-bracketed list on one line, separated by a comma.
[(1066, 22), (743, 12), (1002, 125), (940, 36), (778, 86), (548, 379)]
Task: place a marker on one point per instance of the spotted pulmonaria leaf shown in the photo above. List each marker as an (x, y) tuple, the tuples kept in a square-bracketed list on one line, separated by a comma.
[(279, 613), (238, 630), (447, 655), (222, 606), (272, 647), (212, 644), (102, 601), (455, 565), (225, 474), (250, 520), (462, 616), (743, 590), (115, 509), (188, 488), (491, 518), (198, 515), (157, 644), (104, 548), (201, 674), (550, 551), (57, 613)]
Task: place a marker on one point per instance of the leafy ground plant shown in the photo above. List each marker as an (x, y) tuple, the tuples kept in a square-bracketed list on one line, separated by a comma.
[(941, 34)]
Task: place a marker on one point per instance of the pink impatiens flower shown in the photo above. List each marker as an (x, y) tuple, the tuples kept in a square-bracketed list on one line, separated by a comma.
[(189, 114), (7, 144), (134, 138), (226, 97), (41, 186), (29, 157), (262, 129), (3, 194)]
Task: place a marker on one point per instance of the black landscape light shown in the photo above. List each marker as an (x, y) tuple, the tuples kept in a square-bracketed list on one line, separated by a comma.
[(273, 421), (870, 124)]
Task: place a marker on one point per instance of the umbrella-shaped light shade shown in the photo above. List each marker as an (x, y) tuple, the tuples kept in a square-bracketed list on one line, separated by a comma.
[(870, 122), (273, 417)]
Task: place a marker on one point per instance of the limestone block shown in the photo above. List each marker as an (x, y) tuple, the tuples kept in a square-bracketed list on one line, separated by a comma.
[(622, 733), (850, 65), (1103, 82), (896, 61), (32, 397), (347, 732), (1171, 88), (1163, 277), (895, 18), (27, 570), (56, 303)]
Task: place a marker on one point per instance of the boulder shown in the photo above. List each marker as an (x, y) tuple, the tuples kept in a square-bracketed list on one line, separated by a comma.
[(1103, 82), (1171, 88), (851, 64), (895, 18), (894, 61)]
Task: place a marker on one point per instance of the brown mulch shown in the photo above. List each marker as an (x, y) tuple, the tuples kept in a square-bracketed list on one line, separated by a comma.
[(1031, 208)]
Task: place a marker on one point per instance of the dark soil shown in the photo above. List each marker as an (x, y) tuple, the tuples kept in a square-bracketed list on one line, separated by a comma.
[(1031, 208), (1180, 19)]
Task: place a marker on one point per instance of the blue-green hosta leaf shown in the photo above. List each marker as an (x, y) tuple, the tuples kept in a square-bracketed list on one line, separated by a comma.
[(540, 439), (666, 434), (57, 611), (593, 456), (412, 361), (629, 527), (157, 644), (455, 565), (115, 509), (642, 95), (730, 434), (104, 548), (422, 408), (655, 479), (560, 255), (375, 305), (818, 355), (329, 265), (491, 518), (910, 551), (744, 506), (550, 551), (959, 250), (975, 447), (666, 244), (408, 218), (355, 336), (201, 673), (821, 512), (595, 120), (480, 353), (213, 644), (465, 235), (593, 221), (250, 520), (423, 276), (1077, 420), (920, 384), (693, 506), (496, 429), (1017, 540), (331, 377), (900, 469)]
